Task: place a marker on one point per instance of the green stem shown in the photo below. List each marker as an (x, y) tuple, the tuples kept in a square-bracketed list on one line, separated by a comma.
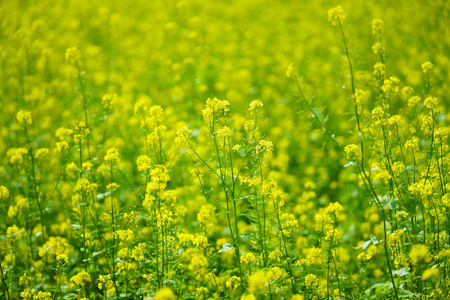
[(33, 173), (4, 281), (114, 232), (84, 105)]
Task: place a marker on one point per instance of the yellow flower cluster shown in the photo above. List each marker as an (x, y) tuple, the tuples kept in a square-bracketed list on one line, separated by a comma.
[(336, 15), (117, 180), (24, 117)]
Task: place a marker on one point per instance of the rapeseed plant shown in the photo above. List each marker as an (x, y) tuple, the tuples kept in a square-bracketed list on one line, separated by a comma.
[(136, 162)]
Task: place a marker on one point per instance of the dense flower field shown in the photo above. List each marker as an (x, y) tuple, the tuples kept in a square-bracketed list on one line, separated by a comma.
[(245, 149)]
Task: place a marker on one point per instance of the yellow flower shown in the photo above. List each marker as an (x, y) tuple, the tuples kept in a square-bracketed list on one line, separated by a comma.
[(336, 15), (106, 284), (258, 282), (427, 67), (264, 147), (200, 241), (275, 273), (73, 55), (248, 297), (314, 257), (379, 70), (184, 132), (16, 155), (62, 259), (143, 163), (377, 48), (185, 237), (80, 278), (352, 151), (377, 26), (254, 105), (197, 262), (108, 100), (224, 133), (156, 114), (398, 167), (290, 70), (13, 233), (83, 185), (430, 272), (205, 215), (406, 91), (214, 106), (233, 283), (138, 251), (87, 166), (24, 279), (165, 294), (247, 258), (395, 238), (112, 155), (42, 296), (54, 245), (311, 281), (412, 144), (60, 146), (112, 185), (126, 235), (359, 96), (24, 117), (377, 113), (430, 102), (4, 192), (80, 131), (419, 253), (275, 255), (72, 167)]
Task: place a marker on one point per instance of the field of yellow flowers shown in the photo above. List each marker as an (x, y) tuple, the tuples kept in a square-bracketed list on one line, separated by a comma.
[(247, 149)]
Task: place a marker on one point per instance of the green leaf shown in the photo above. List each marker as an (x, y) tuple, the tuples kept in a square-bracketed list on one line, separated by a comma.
[(226, 247), (402, 272)]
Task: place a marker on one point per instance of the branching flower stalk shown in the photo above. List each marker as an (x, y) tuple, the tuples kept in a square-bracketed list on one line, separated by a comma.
[(311, 110), (336, 16), (270, 189), (24, 118), (112, 157), (215, 108)]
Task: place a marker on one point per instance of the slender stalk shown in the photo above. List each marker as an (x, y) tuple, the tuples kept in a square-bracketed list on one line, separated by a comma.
[(353, 90), (126, 273), (83, 204), (114, 232), (375, 197), (263, 229), (158, 278), (313, 112), (328, 264), (4, 282), (283, 241), (336, 272), (159, 224), (33, 174), (83, 93)]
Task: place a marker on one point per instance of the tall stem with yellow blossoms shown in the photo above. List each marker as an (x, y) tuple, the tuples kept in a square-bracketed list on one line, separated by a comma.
[(270, 190), (24, 118), (82, 132), (336, 16), (112, 157), (73, 56), (214, 114)]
